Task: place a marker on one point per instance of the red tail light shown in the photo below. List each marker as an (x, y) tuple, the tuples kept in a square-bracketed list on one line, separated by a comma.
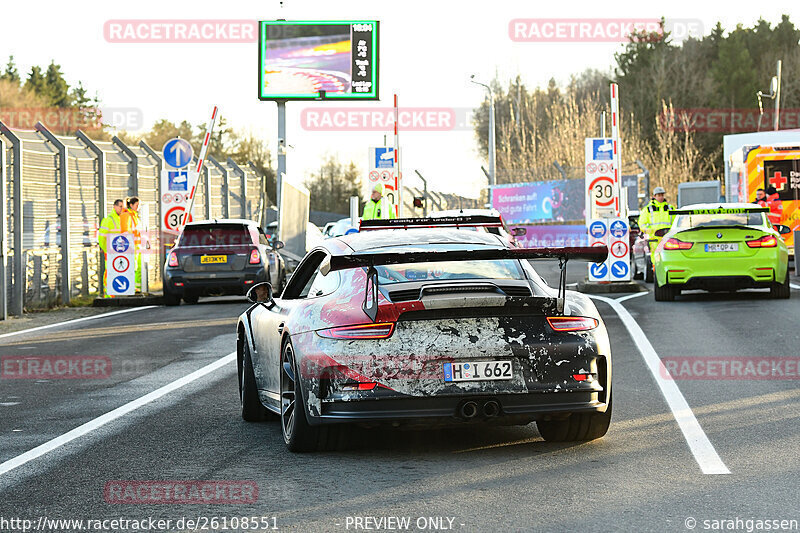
[(675, 244), (255, 257), (572, 323), (767, 241), (381, 330), (173, 259)]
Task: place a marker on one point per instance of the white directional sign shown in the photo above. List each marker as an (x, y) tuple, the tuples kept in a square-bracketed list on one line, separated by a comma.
[(381, 169), (177, 188), (120, 266)]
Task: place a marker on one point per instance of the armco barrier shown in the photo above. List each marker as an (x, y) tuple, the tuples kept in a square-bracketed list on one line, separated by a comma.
[(55, 190)]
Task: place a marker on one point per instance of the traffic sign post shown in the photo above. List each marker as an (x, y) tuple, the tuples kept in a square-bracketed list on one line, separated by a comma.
[(604, 222), (121, 266), (381, 170), (177, 189)]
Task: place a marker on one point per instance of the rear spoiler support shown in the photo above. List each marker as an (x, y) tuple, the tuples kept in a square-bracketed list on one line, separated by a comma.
[(594, 254)]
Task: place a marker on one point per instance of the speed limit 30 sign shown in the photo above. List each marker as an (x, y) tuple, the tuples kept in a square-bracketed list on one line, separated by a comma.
[(177, 187)]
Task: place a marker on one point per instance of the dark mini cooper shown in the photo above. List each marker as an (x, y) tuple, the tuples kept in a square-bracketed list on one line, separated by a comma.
[(223, 256), (420, 327)]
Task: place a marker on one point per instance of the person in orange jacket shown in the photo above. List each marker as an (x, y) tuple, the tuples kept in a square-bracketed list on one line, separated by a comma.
[(775, 206), (129, 223)]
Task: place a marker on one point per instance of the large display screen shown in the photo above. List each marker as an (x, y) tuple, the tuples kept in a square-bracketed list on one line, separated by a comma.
[(309, 60)]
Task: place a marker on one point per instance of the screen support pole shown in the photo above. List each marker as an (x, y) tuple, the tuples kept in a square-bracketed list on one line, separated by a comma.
[(281, 159)]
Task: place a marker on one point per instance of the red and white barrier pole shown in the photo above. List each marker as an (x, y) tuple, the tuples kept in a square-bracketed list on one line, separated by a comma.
[(398, 184), (200, 159), (616, 145)]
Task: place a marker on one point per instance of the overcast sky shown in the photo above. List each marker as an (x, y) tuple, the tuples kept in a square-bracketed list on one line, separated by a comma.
[(428, 50)]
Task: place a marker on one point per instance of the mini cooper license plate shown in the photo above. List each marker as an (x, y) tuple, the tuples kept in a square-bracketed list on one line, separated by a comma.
[(723, 247), (206, 259), (477, 371)]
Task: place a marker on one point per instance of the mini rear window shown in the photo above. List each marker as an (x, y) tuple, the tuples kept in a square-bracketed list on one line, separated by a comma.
[(216, 235)]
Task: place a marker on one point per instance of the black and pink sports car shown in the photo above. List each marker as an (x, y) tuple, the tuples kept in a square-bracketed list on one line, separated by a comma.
[(424, 325)]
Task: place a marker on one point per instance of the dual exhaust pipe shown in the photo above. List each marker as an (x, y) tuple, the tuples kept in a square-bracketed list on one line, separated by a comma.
[(470, 409)]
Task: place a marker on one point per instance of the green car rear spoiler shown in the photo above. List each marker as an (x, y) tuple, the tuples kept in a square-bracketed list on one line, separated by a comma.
[(720, 211), (593, 254)]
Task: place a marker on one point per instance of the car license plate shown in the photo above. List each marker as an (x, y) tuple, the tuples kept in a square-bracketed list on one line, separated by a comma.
[(723, 247), (477, 371), (206, 259)]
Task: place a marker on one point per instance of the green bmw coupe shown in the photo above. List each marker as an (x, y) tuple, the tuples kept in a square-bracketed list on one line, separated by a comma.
[(724, 247)]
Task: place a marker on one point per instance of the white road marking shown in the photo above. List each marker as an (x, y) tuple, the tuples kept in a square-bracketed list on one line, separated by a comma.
[(110, 416), (76, 320), (795, 287), (699, 444)]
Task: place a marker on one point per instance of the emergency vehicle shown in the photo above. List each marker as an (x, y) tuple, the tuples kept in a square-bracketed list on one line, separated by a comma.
[(759, 167)]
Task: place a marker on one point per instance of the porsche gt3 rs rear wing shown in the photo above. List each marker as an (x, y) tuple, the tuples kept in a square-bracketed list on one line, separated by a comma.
[(593, 254), (720, 211), (465, 221)]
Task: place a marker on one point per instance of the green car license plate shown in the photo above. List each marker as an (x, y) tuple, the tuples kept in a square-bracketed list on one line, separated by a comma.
[(723, 247)]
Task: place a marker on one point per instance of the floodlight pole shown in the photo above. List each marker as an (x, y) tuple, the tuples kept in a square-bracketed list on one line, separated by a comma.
[(778, 97), (281, 160)]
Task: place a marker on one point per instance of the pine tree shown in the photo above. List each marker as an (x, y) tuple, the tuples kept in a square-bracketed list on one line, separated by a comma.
[(11, 73)]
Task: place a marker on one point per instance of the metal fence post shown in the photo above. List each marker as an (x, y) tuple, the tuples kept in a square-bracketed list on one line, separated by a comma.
[(226, 197), (63, 184), (101, 200), (133, 184), (262, 195), (207, 185), (18, 288), (3, 234), (243, 197)]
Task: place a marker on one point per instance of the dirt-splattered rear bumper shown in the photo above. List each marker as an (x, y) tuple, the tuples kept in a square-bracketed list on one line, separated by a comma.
[(499, 408)]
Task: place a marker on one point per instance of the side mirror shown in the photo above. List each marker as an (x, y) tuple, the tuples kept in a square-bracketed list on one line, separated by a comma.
[(260, 293), (661, 232), (519, 232), (783, 230), (277, 245)]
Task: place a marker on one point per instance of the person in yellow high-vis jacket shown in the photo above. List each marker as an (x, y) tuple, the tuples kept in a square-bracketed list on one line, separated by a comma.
[(129, 223), (109, 227), (376, 206)]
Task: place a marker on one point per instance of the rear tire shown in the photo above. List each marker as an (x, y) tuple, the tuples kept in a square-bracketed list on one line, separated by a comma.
[(781, 291), (191, 299), (298, 434), (648, 269), (663, 293), (578, 427), (252, 408), (171, 299)]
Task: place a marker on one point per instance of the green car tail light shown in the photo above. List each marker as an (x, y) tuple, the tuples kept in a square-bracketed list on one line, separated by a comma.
[(767, 241), (675, 244)]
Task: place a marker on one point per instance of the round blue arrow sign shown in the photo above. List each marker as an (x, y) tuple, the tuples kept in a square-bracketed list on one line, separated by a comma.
[(599, 270), (177, 153), (619, 269), (120, 284)]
